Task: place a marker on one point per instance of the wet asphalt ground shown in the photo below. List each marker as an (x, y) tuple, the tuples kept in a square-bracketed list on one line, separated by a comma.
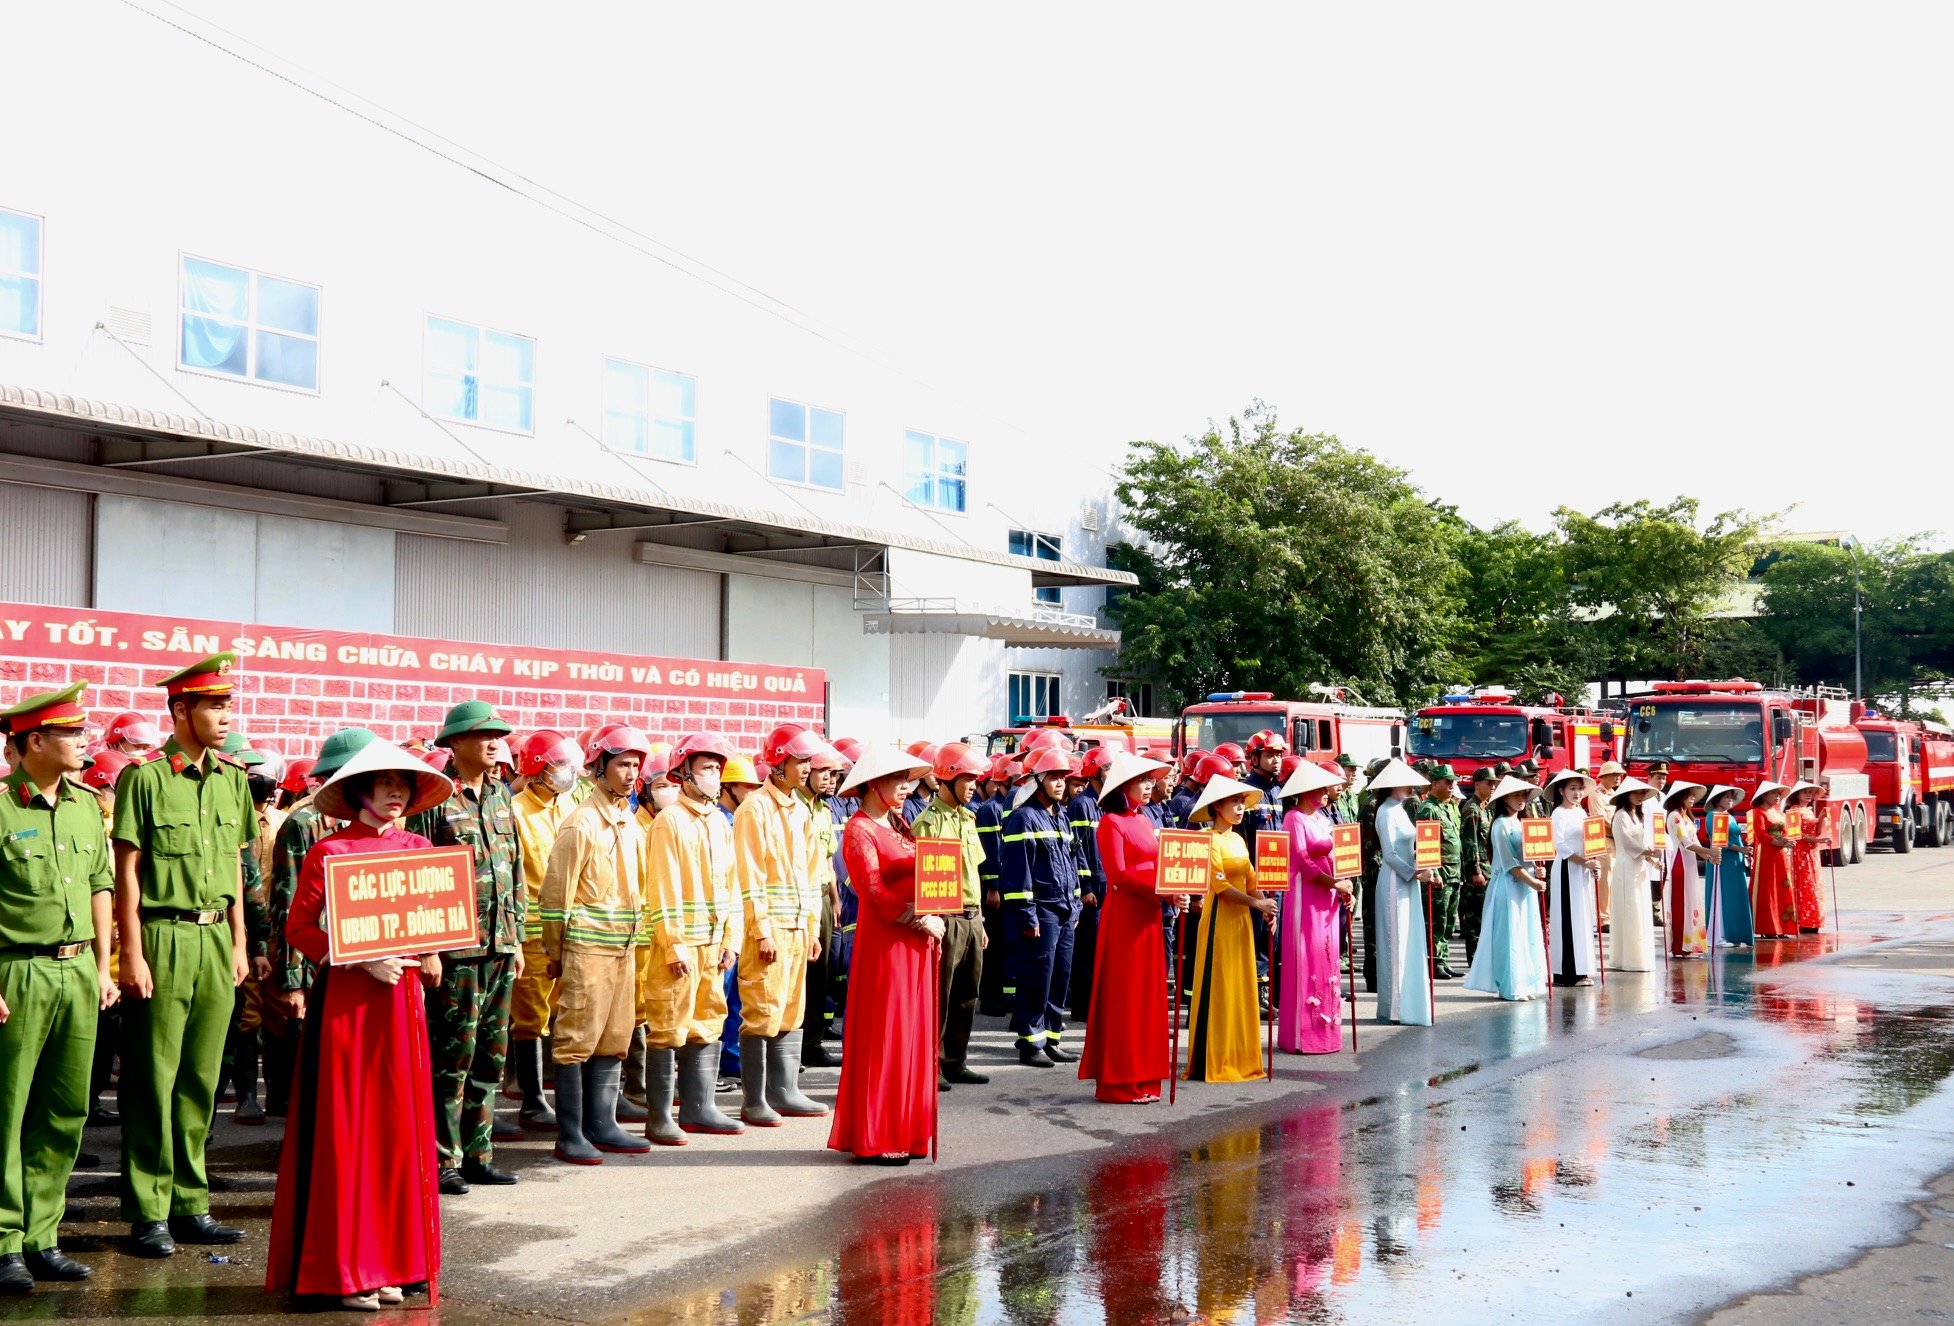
[(1758, 1138)]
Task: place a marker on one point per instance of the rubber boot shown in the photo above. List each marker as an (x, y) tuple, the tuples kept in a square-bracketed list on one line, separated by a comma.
[(814, 1050), (698, 1070), (549, 1061), (661, 1076), (570, 1143), (249, 1111), (783, 1078), (753, 1083), (600, 1087), (631, 1101), (536, 1113)]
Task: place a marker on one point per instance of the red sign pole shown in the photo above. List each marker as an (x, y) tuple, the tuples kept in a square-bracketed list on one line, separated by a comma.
[(1350, 959), (1174, 1063), (936, 1044), (1275, 991)]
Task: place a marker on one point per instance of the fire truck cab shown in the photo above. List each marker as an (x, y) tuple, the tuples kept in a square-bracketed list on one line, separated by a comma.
[(1316, 730), (1910, 768), (1472, 730)]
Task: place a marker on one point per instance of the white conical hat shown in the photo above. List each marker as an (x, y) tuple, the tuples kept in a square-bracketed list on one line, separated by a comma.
[(1564, 775), (1127, 766), (881, 762), (430, 788), (1801, 785), (1220, 789), (1765, 789), (1309, 778), (1720, 789), (1674, 790), (1395, 774), (1628, 785), (1508, 786)]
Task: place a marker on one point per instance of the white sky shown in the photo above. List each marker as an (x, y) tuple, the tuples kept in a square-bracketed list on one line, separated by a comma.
[(1537, 254)]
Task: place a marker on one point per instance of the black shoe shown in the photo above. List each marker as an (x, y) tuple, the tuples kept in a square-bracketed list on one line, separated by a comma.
[(1031, 1056), (816, 1055), (504, 1129), (1058, 1054), (1447, 974), (831, 1032), (484, 1174), (104, 1117), (941, 1085), (963, 1076), (452, 1184), (54, 1264), (152, 1239), (15, 1278), (249, 1112), (201, 1229), (87, 1160)]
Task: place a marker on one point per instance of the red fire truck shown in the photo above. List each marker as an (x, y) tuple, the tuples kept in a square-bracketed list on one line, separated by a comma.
[(1471, 731), (1737, 732), (1108, 725), (1910, 766), (1316, 729)]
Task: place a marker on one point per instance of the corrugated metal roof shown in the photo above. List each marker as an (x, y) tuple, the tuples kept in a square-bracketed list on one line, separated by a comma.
[(46, 407), (1012, 628)]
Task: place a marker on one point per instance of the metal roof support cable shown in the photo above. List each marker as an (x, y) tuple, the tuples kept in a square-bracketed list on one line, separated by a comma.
[(150, 368), (621, 458), (909, 501), (771, 481), (448, 432)]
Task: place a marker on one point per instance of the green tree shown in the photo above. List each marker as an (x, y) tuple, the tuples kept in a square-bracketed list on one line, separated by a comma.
[(1518, 629), (1906, 615), (1273, 559), (1654, 580)]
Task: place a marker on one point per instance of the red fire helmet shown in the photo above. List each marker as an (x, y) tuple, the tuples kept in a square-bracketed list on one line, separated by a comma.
[(1047, 760), (298, 777), (1266, 739), (699, 743), (108, 767), (954, 760), (1214, 765), (791, 741), (1098, 759), (540, 750), (132, 727)]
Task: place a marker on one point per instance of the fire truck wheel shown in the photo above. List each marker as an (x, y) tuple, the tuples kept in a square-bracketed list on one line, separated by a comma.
[(1907, 829), (1941, 816), (1858, 840)]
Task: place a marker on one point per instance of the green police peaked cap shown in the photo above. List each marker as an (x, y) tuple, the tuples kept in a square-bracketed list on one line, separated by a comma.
[(60, 708), (340, 747), (209, 676), (469, 717)]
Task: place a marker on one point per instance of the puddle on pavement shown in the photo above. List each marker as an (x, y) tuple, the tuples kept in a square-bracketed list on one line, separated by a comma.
[(1605, 1181)]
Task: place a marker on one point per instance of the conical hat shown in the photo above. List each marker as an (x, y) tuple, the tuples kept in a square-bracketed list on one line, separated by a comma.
[(430, 788), (880, 762), (1674, 790), (1220, 788), (1125, 767), (1765, 789), (1628, 785), (1308, 778), (1509, 785), (1395, 774), (1564, 775), (1803, 785), (1719, 790)]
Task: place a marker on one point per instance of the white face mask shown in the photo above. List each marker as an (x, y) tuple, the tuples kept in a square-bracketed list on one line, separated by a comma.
[(661, 797), (559, 778), (707, 783)]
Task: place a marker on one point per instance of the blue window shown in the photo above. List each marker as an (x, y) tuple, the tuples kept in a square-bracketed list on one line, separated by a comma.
[(803, 444), (244, 324), (1045, 547), (1033, 695), (480, 376), (935, 471), (650, 411), (20, 274)]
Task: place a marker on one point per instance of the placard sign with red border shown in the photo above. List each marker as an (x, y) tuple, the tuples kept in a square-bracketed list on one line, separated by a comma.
[(939, 877), (1347, 850), (1594, 836), (1186, 865), (1719, 829), (1431, 845), (1536, 839), (399, 904), (1659, 832), (1794, 824), (1272, 862)]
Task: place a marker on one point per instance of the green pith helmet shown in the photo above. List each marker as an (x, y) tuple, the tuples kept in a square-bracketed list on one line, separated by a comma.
[(472, 716), (340, 747)]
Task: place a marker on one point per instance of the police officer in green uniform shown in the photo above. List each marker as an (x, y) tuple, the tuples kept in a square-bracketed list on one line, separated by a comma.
[(1475, 856), (468, 1013), (55, 892), (181, 823), (1440, 806)]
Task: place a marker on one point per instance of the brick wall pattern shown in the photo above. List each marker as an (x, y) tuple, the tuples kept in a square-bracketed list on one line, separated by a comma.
[(297, 686)]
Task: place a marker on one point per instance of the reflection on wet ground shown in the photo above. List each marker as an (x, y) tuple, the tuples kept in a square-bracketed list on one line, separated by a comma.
[(1628, 1152)]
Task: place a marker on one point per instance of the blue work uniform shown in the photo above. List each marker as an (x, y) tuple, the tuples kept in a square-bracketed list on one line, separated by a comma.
[(1039, 876), (1083, 814), (995, 991)]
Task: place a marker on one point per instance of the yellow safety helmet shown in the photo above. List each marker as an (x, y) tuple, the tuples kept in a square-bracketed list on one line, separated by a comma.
[(740, 769)]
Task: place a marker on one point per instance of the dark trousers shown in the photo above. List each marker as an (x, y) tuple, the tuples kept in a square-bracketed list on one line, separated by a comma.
[(818, 1014), (961, 975), (1472, 908), (468, 1038), (1084, 939), (994, 994), (1044, 972), (1370, 932)]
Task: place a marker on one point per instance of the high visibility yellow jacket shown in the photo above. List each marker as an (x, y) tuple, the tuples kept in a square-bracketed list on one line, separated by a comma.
[(538, 820), (690, 893), (774, 846), (592, 892)]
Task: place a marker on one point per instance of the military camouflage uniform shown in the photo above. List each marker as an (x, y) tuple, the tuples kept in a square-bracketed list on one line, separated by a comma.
[(1442, 898), (1475, 864), (468, 1013)]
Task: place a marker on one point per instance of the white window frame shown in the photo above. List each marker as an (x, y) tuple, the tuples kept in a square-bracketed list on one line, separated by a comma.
[(807, 444), (38, 277), (250, 377), (1124, 688), (604, 410), (1049, 595), (936, 472), (536, 375), (1052, 684)]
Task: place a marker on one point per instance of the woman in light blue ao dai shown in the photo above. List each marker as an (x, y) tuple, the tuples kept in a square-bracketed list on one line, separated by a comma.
[(1512, 959)]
